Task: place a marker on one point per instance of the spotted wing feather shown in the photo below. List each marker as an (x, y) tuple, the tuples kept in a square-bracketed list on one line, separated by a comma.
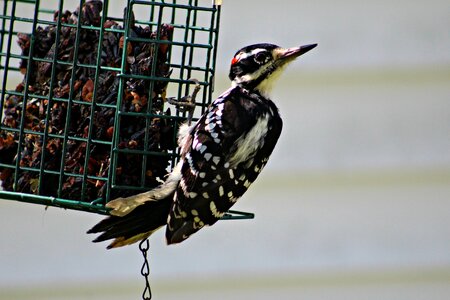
[(221, 156)]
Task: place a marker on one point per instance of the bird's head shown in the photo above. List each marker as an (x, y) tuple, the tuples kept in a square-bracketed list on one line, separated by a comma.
[(256, 67)]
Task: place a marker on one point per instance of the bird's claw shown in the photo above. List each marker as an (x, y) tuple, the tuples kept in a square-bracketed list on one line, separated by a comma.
[(187, 103)]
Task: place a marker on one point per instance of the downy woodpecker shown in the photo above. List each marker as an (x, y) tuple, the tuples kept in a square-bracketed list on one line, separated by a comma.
[(221, 156)]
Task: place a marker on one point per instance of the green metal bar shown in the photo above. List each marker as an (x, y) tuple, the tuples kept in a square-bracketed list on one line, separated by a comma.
[(166, 4), (183, 55), (213, 36), (36, 170), (25, 1), (173, 161), (54, 201), (46, 22), (94, 104), (49, 104), (207, 92), (173, 80), (54, 135), (194, 68), (11, 92), (238, 215), (14, 69), (61, 62), (151, 115), (2, 32), (192, 49), (69, 105), (175, 43), (143, 152), (173, 66), (25, 97), (57, 99), (114, 143), (182, 75), (116, 135), (8, 50), (216, 39), (152, 17), (130, 187), (174, 11), (150, 95)]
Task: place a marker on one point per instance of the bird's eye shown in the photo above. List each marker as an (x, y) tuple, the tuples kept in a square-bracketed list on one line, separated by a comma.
[(261, 57)]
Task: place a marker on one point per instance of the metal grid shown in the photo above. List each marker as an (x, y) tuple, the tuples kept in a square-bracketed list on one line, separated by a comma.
[(190, 53)]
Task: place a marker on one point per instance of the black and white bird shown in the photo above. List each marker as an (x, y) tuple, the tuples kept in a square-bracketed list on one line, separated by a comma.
[(221, 156)]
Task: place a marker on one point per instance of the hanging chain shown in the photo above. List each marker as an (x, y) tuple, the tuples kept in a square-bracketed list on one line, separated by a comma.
[(144, 245)]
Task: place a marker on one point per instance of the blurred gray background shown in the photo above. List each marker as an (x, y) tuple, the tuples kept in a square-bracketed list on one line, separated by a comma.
[(354, 203)]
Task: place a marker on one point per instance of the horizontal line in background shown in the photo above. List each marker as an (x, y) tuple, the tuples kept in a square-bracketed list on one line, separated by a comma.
[(361, 75), (310, 77), (243, 282), (367, 177)]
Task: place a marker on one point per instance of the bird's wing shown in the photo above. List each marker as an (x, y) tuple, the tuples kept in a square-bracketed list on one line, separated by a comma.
[(212, 173)]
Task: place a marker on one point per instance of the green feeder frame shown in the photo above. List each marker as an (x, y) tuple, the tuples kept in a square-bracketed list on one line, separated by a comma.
[(192, 54)]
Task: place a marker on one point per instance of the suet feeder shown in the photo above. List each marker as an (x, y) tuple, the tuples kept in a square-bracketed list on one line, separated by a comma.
[(85, 95)]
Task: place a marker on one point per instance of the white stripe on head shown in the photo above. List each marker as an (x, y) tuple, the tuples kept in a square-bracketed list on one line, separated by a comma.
[(244, 55)]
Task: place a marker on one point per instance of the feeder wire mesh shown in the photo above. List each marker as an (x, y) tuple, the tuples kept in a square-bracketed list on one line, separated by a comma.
[(89, 121)]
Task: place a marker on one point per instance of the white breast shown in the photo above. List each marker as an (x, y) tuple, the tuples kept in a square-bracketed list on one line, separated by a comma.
[(248, 144)]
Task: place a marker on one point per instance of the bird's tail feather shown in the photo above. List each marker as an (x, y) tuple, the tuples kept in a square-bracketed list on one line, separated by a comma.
[(135, 226), (123, 206)]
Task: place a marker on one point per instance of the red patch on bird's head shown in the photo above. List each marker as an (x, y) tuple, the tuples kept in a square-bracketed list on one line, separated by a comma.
[(234, 60)]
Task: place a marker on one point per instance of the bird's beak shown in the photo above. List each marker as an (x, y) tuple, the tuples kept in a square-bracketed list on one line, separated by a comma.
[(289, 54)]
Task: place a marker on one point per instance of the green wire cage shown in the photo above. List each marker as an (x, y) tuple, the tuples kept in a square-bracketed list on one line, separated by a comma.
[(92, 95)]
